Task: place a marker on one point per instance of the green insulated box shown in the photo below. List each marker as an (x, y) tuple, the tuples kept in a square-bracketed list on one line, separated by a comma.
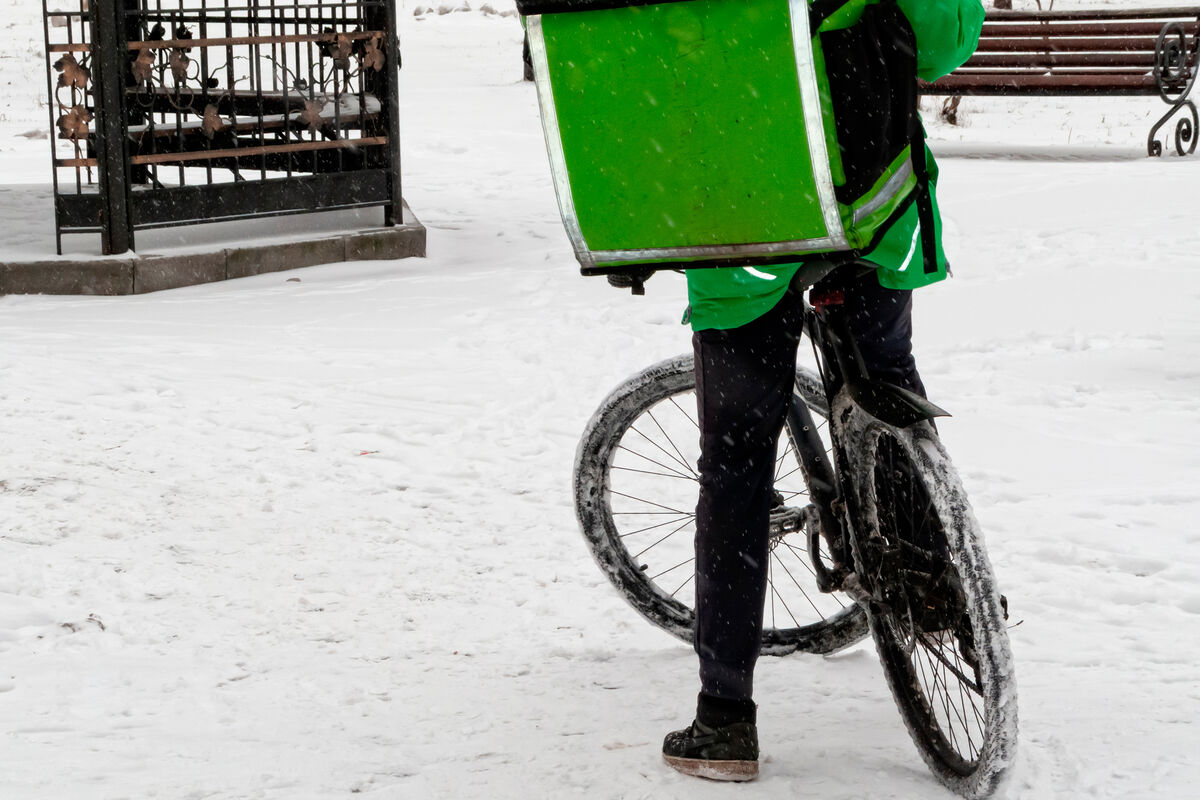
[(689, 133)]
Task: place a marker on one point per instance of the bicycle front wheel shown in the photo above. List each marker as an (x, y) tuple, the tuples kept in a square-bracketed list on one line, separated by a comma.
[(936, 616), (635, 496)]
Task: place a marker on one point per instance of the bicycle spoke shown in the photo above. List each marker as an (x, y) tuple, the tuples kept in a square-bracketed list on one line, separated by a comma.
[(940, 657), (771, 583), (803, 557), (783, 603), (964, 700), (672, 569), (979, 716), (925, 691), (918, 527), (798, 586), (944, 696), (627, 449), (647, 513), (920, 664), (652, 527), (671, 456), (789, 474), (690, 578), (936, 698), (967, 699), (690, 418), (672, 475), (779, 459), (941, 680), (670, 441), (649, 503), (958, 713), (660, 541)]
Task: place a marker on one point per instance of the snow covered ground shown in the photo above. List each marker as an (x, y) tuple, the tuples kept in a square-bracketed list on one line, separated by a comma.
[(309, 534)]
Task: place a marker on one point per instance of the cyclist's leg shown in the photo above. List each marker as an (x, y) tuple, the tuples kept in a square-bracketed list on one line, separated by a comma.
[(744, 383), (880, 320)]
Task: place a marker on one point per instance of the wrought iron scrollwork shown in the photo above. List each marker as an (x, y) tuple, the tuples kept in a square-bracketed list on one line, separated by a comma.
[(1175, 73), (324, 100), (170, 104), (74, 76)]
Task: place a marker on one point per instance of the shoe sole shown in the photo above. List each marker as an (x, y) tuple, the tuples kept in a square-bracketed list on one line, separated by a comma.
[(723, 770)]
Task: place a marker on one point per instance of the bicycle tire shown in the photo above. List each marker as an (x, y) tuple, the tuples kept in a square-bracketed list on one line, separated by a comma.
[(942, 638), (825, 625)]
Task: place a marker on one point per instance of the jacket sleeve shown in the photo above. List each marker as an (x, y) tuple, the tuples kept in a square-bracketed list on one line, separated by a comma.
[(947, 33)]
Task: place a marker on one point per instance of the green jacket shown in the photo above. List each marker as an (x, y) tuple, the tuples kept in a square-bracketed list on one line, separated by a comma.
[(947, 32)]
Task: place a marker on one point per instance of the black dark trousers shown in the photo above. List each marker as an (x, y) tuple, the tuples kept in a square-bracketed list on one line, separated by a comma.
[(744, 379)]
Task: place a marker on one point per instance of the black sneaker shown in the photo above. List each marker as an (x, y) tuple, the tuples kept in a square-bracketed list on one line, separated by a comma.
[(725, 749)]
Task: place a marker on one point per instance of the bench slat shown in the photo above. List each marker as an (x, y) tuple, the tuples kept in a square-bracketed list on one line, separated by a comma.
[(1175, 12), (1062, 83), (1001, 30), (986, 73), (1068, 45), (1048, 60)]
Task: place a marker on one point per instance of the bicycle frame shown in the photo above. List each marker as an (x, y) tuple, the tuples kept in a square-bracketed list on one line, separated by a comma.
[(900, 541), (842, 369)]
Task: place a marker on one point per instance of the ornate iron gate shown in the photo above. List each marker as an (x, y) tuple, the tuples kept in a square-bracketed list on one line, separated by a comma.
[(174, 112)]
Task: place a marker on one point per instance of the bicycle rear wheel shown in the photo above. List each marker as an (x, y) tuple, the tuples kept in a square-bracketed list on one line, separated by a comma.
[(635, 496), (936, 616)]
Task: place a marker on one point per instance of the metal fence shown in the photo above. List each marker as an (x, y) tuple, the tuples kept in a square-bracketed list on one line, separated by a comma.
[(174, 112)]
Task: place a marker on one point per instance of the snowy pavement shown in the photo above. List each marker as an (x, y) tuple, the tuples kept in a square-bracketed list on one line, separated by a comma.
[(309, 534)]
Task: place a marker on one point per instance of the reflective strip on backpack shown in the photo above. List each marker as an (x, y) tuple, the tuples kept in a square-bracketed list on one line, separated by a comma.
[(797, 247), (554, 146), (814, 124)]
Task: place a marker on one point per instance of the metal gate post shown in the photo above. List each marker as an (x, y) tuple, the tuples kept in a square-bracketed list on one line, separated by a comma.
[(389, 94), (132, 26), (110, 57)]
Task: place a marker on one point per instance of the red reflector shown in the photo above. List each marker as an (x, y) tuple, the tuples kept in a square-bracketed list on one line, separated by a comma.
[(822, 298)]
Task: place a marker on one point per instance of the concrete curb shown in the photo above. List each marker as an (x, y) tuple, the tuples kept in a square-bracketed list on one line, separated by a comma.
[(138, 274)]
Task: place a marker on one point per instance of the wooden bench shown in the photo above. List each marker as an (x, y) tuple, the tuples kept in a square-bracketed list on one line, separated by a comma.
[(1114, 52)]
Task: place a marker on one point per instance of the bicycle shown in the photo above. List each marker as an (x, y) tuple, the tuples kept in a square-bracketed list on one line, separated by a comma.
[(870, 531)]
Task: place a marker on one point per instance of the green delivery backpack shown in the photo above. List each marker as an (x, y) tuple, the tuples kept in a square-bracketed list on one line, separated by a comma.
[(704, 133)]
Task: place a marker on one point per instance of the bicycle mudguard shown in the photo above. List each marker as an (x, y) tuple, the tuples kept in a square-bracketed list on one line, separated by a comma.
[(886, 402), (894, 405)]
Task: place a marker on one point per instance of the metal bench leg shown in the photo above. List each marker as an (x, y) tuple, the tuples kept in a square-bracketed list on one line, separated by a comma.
[(1175, 73)]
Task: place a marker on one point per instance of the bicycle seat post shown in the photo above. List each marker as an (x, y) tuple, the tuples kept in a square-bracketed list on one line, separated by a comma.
[(811, 271)]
